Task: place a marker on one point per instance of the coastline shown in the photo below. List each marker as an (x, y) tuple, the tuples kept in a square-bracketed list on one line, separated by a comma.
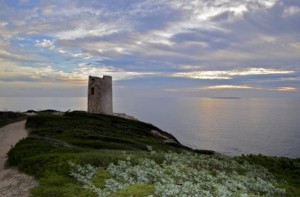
[(99, 140), (223, 125)]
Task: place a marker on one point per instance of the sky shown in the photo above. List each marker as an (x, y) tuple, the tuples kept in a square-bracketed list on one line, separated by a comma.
[(151, 48)]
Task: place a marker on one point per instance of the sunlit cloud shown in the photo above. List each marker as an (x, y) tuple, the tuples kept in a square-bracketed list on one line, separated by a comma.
[(215, 87), (50, 44), (220, 87), (84, 70), (79, 75), (287, 89), (230, 74), (231, 87)]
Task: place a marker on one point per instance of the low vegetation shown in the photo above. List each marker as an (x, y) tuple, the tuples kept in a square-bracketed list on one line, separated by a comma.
[(183, 174), (7, 117), (81, 154), (285, 169)]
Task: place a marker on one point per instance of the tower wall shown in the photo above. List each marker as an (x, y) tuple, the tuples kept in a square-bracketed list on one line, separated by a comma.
[(100, 95)]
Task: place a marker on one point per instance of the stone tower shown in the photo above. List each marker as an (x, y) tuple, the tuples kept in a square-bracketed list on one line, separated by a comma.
[(100, 95)]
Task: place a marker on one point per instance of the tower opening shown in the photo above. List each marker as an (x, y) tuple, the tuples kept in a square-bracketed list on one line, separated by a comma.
[(92, 91)]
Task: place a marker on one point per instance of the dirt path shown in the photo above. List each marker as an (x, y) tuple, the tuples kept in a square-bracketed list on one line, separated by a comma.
[(12, 182)]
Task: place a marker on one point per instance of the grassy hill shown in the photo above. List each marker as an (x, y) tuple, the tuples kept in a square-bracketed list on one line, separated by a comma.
[(82, 154)]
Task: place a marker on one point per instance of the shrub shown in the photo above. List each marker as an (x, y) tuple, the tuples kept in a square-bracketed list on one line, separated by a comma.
[(183, 174)]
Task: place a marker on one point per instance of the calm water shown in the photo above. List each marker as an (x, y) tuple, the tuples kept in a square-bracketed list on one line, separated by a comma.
[(230, 126)]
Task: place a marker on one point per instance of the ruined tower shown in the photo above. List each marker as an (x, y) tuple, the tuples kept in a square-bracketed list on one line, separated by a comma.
[(100, 95)]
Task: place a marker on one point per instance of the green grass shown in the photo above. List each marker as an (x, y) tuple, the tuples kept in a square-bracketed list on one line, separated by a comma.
[(84, 139), (98, 131), (10, 117), (135, 190), (99, 140)]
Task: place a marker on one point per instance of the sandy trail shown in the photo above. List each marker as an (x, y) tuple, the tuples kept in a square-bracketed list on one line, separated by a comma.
[(12, 182)]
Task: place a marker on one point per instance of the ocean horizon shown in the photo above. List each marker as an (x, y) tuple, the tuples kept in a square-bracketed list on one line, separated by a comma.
[(232, 126)]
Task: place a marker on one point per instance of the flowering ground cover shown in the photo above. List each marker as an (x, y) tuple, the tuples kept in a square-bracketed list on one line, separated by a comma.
[(80, 154)]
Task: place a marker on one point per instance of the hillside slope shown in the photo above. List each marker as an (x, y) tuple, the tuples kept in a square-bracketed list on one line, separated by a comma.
[(102, 153)]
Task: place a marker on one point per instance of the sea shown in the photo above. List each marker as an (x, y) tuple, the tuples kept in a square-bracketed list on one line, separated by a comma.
[(227, 125)]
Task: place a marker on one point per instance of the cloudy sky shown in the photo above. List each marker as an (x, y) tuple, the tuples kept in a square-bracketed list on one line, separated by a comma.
[(152, 48)]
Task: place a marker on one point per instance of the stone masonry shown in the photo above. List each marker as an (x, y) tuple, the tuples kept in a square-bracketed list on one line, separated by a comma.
[(100, 95)]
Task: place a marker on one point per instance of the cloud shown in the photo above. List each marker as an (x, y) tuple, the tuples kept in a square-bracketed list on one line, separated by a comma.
[(199, 15), (295, 45), (79, 75), (3, 24), (44, 43), (230, 74), (215, 87), (84, 70), (173, 40), (61, 51), (292, 10), (7, 55), (50, 44), (220, 87), (89, 31), (287, 89), (232, 87)]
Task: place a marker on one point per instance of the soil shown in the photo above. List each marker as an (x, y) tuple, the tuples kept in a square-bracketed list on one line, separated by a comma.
[(12, 182)]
